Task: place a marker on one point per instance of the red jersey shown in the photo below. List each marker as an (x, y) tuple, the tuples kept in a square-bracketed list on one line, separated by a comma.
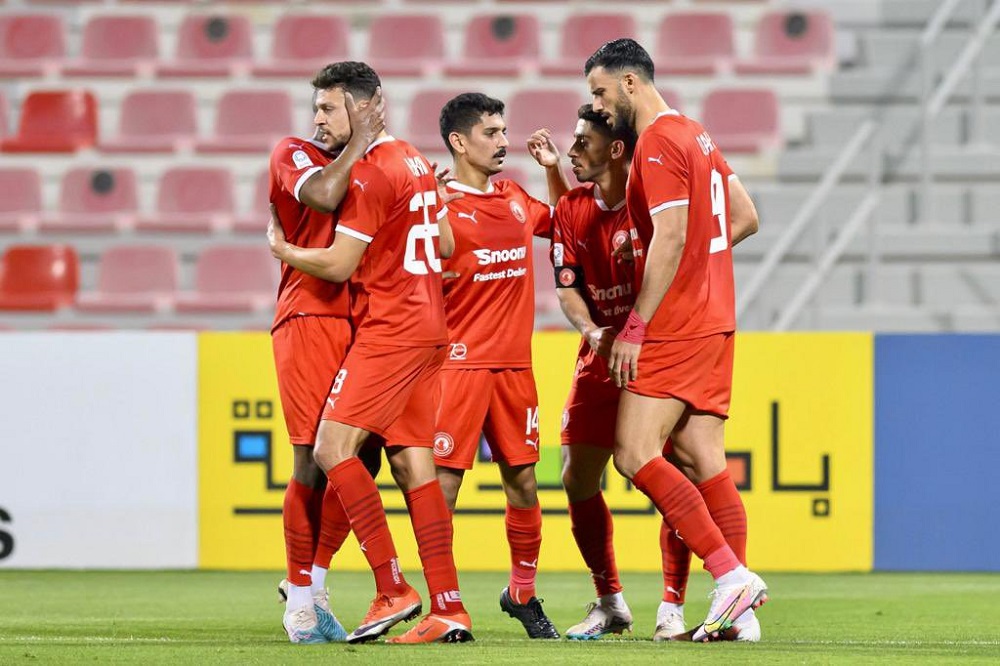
[(293, 161), (490, 306), (677, 164), (392, 205)]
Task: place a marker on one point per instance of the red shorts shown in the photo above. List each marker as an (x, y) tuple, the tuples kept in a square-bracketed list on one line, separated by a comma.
[(500, 404), (388, 390), (308, 351), (698, 372), (592, 406)]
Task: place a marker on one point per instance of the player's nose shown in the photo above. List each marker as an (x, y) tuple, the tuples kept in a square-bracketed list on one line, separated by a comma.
[(503, 142)]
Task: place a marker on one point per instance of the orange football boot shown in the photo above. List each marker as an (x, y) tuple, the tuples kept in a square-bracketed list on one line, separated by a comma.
[(386, 612), (434, 628)]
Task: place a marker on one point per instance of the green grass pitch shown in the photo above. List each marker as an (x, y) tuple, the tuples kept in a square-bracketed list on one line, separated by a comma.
[(234, 618)]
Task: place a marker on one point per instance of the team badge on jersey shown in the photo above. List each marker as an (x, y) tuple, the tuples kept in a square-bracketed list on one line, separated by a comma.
[(301, 159), (567, 277), (518, 212), (443, 444), (619, 239)]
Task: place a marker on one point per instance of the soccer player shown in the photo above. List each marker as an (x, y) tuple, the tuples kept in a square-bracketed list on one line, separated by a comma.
[(674, 355), (387, 245), (310, 336), (596, 293), (487, 385)]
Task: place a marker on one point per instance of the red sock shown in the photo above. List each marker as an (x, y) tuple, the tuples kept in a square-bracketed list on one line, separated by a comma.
[(726, 506), (316, 515), (594, 533), (684, 509), (524, 534), (363, 506), (334, 528), (433, 529), (676, 564), (299, 537)]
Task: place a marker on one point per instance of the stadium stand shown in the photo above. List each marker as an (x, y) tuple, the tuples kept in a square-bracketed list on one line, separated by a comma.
[(95, 200), (232, 279), (38, 277), (211, 45), (249, 121), (22, 199), (742, 120), (406, 45), (498, 45), (155, 121), (55, 122), (697, 43), (303, 43), (31, 44), (116, 46), (580, 35), (137, 279), (791, 43), (192, 200)]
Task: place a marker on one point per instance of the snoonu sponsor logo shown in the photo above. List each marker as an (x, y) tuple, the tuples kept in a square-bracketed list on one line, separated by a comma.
[(487, 257)]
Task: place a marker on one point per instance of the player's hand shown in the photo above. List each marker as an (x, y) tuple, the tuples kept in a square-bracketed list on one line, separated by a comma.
[(449, 275), (276, 235), (443, 177), (601, 339), (367, 120), (624, 252), (542, 149), (623, 362)]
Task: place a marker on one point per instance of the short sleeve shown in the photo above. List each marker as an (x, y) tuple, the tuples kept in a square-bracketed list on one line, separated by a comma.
[(665, 172), (563, 235), (367, 203), (293, 165)]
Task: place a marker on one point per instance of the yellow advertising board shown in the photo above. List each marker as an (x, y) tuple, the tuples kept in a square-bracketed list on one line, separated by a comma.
[(800, 441)]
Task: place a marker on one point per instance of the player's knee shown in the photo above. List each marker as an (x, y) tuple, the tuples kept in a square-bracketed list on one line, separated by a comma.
[(579, 485), (625, 462)]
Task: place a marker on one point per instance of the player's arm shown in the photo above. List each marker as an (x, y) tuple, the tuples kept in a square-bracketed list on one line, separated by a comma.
[(742, 212), (547, 155), (663, 256), (325, 189), (335, 263), (446, 241), (600, 338)]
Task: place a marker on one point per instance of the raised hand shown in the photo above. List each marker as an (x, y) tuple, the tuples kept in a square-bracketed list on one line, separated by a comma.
[(542, 149), (443, 177), (367, 118)]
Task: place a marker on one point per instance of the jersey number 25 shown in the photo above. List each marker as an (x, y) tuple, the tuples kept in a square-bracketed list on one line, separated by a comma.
[(426, 232)]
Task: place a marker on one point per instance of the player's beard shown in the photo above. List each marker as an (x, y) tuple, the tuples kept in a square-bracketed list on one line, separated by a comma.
[(624, 110), (494, 170)]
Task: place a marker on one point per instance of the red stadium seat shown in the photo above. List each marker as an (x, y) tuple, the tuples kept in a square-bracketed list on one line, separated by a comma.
[(407, 45), (530, 109), (423, 128), (695, 43), (192, 200), (95, 200), (498, 45), (248, 121), (581, 35), (21, 199), (254, 220), (155, 121), (743, 121), (55, 122), (232, 279), (31, 45), (116, 46), (304, 43), (673, 98), (38, 277), (211, 45), (141, 278), (792, 42)]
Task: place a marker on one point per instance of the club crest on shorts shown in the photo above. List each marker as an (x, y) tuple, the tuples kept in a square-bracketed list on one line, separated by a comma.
[(566, 277), (443, 444), (619, 239), (458, 351), (518, 212)]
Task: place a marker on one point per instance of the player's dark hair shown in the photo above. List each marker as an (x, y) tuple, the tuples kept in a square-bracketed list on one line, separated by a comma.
[(619, 55), (356, 78), (462, 113), (620, 132)]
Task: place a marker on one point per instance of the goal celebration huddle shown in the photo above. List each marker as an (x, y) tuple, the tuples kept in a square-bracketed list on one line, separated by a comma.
[(404, 322)]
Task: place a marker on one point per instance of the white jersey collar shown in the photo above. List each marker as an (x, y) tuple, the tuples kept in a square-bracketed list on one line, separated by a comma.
[(600, 202), (376, 142), (459, 187)]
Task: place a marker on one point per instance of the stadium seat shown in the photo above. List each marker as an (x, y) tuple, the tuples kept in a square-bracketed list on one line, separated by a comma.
[(31, 45), (304, 43), (248, 121), (38, 277), (792, 43), (743, 121), (21, 199), (695, 43), (116, 46), (422, 128), (3, 116), (55, 122), (232, 279), (581, 35), (192, 200), (95, 200), (498, 45), (155, 121), (532, 108), (140, 278), (254, 220), (211, 45), (406, 45), (673, 98)]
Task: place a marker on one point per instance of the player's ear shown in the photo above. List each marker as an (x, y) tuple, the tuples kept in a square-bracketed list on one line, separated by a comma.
[(617, 149), (457, 143)]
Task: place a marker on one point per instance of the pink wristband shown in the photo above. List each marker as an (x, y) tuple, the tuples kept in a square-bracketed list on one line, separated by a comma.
[(634, 331)]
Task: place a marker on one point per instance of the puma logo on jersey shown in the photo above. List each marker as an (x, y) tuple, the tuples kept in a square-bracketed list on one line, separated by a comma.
[(487, 257), (582, 244), (533, 443), (360, 184), (469, 216), (332, 402), (658, 159)]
